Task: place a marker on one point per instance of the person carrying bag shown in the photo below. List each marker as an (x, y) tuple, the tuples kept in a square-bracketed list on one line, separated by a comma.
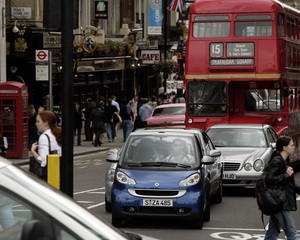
[(49, 143), (281, 174)]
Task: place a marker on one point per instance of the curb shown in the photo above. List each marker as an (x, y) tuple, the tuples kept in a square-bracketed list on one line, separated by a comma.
[(25, 161)]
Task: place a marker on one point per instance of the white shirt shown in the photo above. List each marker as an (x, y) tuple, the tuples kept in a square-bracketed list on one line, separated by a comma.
[(113, 102), (43, 148)]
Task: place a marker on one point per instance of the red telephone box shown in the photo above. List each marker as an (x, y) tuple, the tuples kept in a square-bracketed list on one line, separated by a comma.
[(14, 118)]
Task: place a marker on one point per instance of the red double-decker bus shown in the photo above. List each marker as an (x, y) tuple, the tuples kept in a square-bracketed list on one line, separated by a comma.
[(243, 65)]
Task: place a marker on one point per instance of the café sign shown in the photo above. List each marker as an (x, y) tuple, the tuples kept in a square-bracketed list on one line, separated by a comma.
[(150, 56)]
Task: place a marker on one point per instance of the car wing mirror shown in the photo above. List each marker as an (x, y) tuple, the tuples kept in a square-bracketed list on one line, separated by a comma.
[(208, 160), (32, 230), (112, 155), (273, 145), (214, 153)]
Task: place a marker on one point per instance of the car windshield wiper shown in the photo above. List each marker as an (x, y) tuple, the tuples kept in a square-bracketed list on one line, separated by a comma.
[(159, 164), (134, 165)]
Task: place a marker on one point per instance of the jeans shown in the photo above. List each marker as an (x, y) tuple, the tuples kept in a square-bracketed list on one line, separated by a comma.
[(282, 220), (126, 124), (111, 131)]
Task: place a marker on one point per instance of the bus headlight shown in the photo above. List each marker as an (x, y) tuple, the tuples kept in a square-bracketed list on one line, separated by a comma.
[(190, 121), (258, 165), (279, 119)]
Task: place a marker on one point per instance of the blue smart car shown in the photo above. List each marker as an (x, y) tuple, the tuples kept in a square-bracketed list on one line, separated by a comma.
[(171, 173)]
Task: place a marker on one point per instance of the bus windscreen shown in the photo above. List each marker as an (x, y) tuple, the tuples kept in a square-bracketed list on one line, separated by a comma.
[(207, 98)]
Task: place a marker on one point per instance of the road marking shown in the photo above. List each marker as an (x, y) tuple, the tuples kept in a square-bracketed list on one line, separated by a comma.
[(233, 229), (91, 190), (85, 201), (237, 229), (98, 192), (89, 154), (97, 205)]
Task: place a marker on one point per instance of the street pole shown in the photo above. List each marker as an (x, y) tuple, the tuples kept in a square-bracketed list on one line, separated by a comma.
[(50, 82), (3, 43), (165, 43), (68, 95)]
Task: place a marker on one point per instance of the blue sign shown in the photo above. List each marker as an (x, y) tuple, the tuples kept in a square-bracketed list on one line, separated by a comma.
[(154, 17)]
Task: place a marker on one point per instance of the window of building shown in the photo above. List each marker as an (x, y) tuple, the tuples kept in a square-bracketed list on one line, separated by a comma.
[(127, 12)]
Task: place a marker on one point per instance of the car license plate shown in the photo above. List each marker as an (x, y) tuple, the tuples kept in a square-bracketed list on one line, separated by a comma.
[(229, 176), (156, 202)]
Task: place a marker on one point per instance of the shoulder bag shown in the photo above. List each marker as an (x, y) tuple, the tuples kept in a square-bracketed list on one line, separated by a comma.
[(36, 168)]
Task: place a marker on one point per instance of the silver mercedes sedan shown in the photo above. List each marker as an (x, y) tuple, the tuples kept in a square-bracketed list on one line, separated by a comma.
[(246, 149)]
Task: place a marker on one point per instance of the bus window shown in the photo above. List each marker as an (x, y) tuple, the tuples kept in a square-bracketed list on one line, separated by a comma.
[(207, 98), (280, 25), (253, 29), (263, 100), (253, 26), (210, 26)]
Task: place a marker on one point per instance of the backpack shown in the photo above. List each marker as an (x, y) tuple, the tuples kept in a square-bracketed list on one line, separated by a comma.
[(269, 198)]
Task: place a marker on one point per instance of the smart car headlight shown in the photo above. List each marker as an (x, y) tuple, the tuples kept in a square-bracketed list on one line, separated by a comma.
[(191, 180), (258, 165), (123, 178), (111, 174)]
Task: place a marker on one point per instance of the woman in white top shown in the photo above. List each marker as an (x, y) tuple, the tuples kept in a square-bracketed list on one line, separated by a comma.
[(47, 124)]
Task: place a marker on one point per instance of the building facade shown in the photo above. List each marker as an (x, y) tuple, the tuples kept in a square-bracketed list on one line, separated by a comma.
[(32, 25)]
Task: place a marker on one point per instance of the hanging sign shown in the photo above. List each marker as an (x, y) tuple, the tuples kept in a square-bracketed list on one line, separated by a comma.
[(154, 17), (101, 8)]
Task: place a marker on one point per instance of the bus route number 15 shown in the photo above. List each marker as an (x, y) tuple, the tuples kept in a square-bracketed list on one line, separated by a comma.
[(216, 50)]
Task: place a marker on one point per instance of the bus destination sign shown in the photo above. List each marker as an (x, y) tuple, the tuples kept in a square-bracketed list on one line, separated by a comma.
[(240, 50), (230, 62)]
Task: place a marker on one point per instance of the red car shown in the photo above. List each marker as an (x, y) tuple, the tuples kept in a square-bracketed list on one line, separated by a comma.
[(172, 114)]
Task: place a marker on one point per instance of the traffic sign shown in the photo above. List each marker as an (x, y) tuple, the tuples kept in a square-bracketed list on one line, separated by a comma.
[(41, 55)]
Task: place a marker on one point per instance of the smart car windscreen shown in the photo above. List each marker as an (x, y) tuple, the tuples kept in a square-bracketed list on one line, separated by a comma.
[(158, 151), (234, 137)]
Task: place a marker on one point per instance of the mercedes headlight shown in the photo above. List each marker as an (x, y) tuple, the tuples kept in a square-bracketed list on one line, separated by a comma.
[(248, 166), (258, 165)]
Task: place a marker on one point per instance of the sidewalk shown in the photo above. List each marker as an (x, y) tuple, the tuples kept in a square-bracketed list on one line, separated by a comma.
[(86, 147)]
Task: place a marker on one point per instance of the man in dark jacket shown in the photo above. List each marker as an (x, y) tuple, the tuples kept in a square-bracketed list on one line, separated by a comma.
[(99, 120), (87, 124), (110, 127)]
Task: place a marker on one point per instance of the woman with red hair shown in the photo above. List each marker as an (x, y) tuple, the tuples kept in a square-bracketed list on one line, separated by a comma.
[(46, 123)]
